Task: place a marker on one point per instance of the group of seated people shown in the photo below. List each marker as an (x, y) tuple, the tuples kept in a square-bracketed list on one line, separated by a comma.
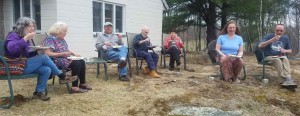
[(229, 43), (55, 57), (141, 42)]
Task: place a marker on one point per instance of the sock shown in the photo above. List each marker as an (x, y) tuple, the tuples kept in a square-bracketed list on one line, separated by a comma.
[(62, 76), (288, 78)]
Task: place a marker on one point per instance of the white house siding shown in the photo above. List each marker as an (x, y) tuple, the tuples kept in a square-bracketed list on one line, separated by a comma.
[(8, 16), (78, 14), (48, 14)]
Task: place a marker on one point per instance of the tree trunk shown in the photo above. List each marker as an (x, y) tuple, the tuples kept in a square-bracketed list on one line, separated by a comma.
[(210, 22), (224, 14)]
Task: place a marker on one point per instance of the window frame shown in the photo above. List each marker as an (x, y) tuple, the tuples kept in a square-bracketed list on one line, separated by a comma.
[(21, 12), (113, 16)]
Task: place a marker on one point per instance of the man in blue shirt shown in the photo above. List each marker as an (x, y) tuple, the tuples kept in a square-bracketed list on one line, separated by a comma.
[(141, 43), (276, 45)]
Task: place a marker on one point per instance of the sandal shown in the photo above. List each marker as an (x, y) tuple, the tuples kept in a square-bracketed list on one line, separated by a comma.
[(78, 90), (85, 86), (68, 80)]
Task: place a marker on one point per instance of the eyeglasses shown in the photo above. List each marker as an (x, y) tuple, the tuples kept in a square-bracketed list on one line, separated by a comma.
[(279, 30)]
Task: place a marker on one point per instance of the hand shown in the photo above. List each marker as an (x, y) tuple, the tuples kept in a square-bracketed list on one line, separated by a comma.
[(77, 55), (179, 39), (223, 57), (119, 36), (29, 36), (146, 40), (107, 43), (67, 54), (276, 38), (282, 50)]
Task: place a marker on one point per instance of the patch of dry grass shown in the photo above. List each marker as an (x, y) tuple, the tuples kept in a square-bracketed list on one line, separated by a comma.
[(145, 96)]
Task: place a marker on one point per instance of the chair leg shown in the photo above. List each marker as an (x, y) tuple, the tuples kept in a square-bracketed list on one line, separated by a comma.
[(53, 80), (105, 71), (98, 69), (141, 64), (12, 97), (244, 71), (68, 88), (164, 60), (184, 60), (137, 66), (129, 65), (264, 71), (221, 72)]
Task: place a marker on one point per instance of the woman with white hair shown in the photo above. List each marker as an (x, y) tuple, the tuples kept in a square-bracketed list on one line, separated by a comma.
[(59, 51), (17, 44)]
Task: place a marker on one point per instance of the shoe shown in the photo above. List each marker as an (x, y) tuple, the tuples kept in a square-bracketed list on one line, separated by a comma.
[(85, 86), (41, 96), (68, 80), (153, 74), (123, 78), (171, 68), (288, 83), (78, 90), (178, 63), (122, 63), (146, 70)]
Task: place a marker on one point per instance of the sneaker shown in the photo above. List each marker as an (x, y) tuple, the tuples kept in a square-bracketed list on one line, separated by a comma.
[(288, 83), (68, 79), (123, 78), (41, 96)]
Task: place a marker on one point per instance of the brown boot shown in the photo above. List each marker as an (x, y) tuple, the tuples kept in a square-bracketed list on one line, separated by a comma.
[(153, 74), (146, 70)]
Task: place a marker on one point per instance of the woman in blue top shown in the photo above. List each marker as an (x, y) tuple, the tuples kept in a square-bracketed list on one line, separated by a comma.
[(230, 47)]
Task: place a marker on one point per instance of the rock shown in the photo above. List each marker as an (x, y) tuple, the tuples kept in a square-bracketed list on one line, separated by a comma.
[(203, 111)]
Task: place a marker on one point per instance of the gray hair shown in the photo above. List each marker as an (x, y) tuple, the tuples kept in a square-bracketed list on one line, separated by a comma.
[(57, 28), (21, 24)]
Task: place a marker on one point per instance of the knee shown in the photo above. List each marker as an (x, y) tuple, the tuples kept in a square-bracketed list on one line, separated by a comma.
[(277, 61), (45, 70), (241, 61)]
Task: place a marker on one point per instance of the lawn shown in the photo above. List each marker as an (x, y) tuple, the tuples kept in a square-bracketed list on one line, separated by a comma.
[(145, 96)]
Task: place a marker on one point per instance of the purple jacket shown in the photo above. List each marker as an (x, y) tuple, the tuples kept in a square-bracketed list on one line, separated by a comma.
[(16, 46)]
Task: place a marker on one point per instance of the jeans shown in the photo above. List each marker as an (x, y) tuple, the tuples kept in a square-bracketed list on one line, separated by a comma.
[(151, 58), (43, 66), (117, 55)]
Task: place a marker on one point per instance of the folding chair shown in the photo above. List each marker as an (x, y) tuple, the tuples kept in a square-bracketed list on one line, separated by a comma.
[(260, 57), (132, 53), (214, 57)]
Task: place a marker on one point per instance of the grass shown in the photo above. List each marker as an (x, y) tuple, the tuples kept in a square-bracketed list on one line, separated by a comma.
[(145, 96)]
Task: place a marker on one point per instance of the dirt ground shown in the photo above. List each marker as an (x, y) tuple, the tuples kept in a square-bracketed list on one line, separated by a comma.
[(145, 96)]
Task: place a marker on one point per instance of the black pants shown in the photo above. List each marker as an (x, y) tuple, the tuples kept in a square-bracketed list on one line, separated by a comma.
[(78, 69), (174, 55)]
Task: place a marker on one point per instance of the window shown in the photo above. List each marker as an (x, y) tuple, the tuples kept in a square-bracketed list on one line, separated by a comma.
[(107, 12), (28, 8)]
